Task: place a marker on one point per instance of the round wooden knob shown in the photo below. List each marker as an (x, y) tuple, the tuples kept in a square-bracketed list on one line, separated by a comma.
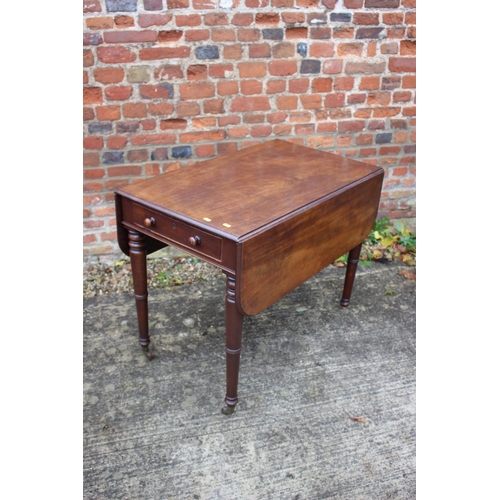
[(194, 240), (149, 222)]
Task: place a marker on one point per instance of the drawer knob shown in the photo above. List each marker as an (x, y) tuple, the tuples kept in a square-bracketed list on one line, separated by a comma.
[(149, 221), (194, 240)]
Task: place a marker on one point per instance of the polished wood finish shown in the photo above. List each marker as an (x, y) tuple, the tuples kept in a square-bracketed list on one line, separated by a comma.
[(352, 264), (270, 216)]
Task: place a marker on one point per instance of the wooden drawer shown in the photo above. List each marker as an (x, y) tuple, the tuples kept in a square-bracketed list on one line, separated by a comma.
[(191, 238)]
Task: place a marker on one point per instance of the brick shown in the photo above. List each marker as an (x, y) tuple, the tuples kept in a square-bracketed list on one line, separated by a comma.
[(393, 18), (283, 50), (109, 75), (181, 152), (250, 104), (85, 77), (153, 4), (88, 114), (91, 159), (321, 49), (148, 20), (251, 87), (121, 5), (298, 85), (344, 83), (248, 35), (334, 100), (115, 55), (88, 58), (178, 4), (293, 17), (216, 19), (320, 33), (188, 20), (242, 19), (341, 17), (197, 35), (221, 70), (252, 69), (369, 83), (99, 23), (273, 34), (389, 48), (383, 138), (408, 47), (261, 131), (100, 128), (113, 157), (105, 113), (122, 22), (232, 52), (382, 4), (188, 109), (149, 54), (310, 66), (214, 135), (130, 36), (351, 125), (137, 155), (275, 86), (204, 150), (142, 140), (295, 33), (409, 82), (314, 101), (396, 32), (391, 82), (332, 66), (204, 4), (286, 102), (116, 142), (223, 35), (161, 91), (159, 154), (409, 4), (173, 124), (207, 52), (223, 121), (256, 3), (386, 112), (364, 67), (411, 18), (268, 18), (149, 124), (197, 72), (169, 36), (139, 74), (118, 92), (93, 142), (302, 49), (282, 68), (366, 18), (92, 95), (91, 6), (134, 110), (204, 122), (259, 50), (343, 33), (92, 39), (306, 3), (402, 64), (364, 33), (353, 4), (280, 4), (379, 99), (199, 90), (253, 118), (322, 85), (350, 49), (238, 132)]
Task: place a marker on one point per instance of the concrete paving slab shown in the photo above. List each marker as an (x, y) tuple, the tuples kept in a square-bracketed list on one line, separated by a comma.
[(154, 430)]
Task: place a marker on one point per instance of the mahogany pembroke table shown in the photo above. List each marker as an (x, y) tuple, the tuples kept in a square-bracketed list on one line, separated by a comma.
[(269, 216)]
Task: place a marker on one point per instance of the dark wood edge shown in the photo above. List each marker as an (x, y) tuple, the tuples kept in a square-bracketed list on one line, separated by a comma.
[(171, 213), (308, 206), (166, 241)]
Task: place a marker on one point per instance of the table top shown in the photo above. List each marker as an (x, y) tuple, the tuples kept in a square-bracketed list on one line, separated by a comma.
[(238, 193)]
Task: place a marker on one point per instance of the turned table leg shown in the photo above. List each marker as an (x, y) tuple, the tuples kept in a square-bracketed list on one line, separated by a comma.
[(137, 245), (234, 329), (352, 264)]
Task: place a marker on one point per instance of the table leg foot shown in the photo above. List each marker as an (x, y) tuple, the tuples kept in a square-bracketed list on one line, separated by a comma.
[(147, 352), (228, 410), (352, 264)]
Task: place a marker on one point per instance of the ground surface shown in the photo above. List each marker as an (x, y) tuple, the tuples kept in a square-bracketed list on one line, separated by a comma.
[(327, 395)]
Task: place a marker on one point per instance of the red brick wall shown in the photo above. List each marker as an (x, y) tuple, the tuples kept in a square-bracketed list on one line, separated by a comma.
[(171, 82)]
